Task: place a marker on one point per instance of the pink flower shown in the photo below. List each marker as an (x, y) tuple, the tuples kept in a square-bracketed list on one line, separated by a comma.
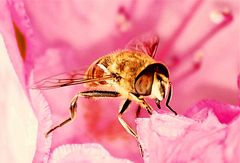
[(18, 123), (43, 39), (208, 133)]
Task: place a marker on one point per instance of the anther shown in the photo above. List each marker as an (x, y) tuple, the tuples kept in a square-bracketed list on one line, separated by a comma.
[(122, 20)]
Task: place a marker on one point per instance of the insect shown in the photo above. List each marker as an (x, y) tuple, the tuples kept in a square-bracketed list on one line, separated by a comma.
[(131, 73)]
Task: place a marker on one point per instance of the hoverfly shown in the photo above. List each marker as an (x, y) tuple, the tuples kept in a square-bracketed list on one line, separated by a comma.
[(131, 73)]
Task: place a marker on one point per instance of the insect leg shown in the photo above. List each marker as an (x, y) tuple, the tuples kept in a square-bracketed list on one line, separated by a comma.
[(73, 104), (99, 93), (73, 111), (142, 103), (125, 125), (168, 100), (138, 111), (157, 101)]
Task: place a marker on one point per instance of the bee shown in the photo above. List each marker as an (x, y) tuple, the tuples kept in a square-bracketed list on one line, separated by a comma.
[(131, 73)]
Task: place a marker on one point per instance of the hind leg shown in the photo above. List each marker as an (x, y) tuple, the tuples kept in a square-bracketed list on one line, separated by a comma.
[(73, 104)]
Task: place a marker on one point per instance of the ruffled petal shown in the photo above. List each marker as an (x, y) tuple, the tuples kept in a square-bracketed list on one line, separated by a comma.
[(76, 35), (18, 123), (204, 138), (91, 153), (224, 112), (43, 115)]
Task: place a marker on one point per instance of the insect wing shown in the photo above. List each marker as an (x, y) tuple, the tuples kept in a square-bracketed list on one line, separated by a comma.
[(67, 79), (147, 44)]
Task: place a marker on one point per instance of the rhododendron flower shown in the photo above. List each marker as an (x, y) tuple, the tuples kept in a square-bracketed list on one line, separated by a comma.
[(197, 42), (210, 134)]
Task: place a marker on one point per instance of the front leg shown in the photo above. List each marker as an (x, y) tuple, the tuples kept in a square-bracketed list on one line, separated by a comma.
[(125, 125), (168, 100), (141, 102), (73, 104)]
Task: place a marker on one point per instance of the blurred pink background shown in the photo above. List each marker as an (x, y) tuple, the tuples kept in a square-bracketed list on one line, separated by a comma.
[(198, 41)]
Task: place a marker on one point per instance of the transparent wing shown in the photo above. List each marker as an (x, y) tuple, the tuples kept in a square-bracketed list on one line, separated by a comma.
[(147, 44), (67, 79)]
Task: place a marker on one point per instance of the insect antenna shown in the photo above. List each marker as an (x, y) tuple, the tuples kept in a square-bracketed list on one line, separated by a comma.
[(169, 98)]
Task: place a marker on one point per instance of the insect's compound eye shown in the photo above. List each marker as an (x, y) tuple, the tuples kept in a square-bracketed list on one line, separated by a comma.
[(144, 80), (143, 85), (161, 69)]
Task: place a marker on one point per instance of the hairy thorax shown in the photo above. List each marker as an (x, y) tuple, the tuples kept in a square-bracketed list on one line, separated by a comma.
[(124, 64)]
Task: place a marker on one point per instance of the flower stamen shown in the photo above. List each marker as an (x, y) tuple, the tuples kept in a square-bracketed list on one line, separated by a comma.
[(223, 18), (123, 20), (218, 16), (179, 30)]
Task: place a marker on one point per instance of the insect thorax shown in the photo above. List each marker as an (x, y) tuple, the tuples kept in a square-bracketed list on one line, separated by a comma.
[(126, 64)]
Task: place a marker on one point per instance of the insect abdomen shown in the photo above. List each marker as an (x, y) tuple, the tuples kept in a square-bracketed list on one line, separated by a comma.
[(94, 71)]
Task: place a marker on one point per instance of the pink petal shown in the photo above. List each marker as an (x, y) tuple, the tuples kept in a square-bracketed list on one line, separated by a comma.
[(43, 115), (76, 18), (239, 85), (91, 31), (18, 123), (224, 112), (168, 138), (197, 43), (22, 117), (83, 153), (8, 33)]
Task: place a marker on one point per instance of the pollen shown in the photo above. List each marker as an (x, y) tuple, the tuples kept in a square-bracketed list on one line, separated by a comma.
[(122, 20), (218, 16)]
